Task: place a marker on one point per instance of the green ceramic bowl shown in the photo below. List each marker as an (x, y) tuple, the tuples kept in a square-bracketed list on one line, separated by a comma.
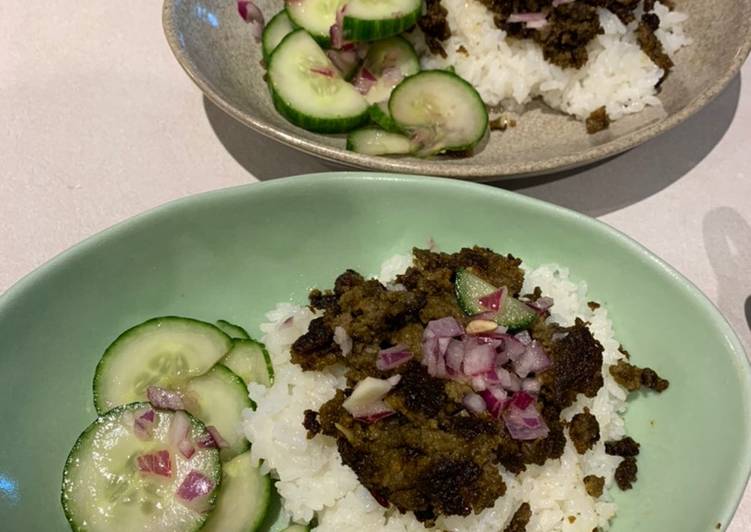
[(234, 253)]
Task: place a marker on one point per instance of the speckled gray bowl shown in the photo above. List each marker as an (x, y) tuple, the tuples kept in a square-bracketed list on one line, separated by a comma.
[(215, 48)]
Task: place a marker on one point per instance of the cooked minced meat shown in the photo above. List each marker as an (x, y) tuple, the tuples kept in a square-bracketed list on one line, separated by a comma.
[(625, 473), (584, 431), (435, 26), (598, 120), (431, 455), (623, 9), (520, 519), (632, 377), (651, 45), (625, 447), (594, 485), (570, 28)]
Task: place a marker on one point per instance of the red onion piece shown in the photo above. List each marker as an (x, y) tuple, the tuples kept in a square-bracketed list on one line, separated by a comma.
[(478, 358), (524, 337), (343, 340), (195, 486), (158, 463), (494, 300), (541, 305), (373, 413), (324, 71), (179, 428), (522, 419), (186, 449), (526, 17), (474, 403), (143, 426), (454, 357), (364, 80), (445, 328), (495, 398), (509, 381), (531, 386), (366, 399), (206, 441), (536, 24), (336, 31), (221, 443), (344, 59), (393, 357), (253, 16), (163, 398), (534, 360)]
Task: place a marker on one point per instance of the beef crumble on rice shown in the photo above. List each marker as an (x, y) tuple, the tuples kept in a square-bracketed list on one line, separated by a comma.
[(431, 453)]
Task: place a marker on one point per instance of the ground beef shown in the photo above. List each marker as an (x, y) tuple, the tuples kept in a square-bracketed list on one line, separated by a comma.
[(593, 305), (310, 422), (570, 28), (625, 447), (597, 121), (632, 377), (625, 473), (594, 485), (584, 431), (577, 363), (520, 519), (435, 26), (316, 348), (651, 45)]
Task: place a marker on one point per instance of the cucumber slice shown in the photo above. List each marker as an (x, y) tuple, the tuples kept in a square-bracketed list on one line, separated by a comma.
[(389, 61), (379, 113), (232, 330), (164, 352), (277, 28), (244, 499), (440, 111), (368, 20), (315, 16), (104, 490), (469, 288), (374, 141), (218, 398), (309, 91), (296, 528), (250, 361)]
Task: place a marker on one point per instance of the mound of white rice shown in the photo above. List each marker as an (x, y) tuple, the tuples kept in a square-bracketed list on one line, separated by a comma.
[(512, 72), (313, 480)]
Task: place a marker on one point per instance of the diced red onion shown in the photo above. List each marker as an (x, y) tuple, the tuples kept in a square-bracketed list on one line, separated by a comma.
[(531, 386), (392, 75), (253, 16), (143, 426), (524, 337), (366, 400), (509, 381), (343, 340), (526, 17), (363, 81), (323, 71), (536, 24), (494, 300), (445, 328), (194, 486), (206, 441), (186, 449), (478, 358), (336, 32), (514, 347), (179, 428), (474, 403), (221, 443), (495, 398), (373, 413), (163, 398), (541, 305), (158, 463), (534, 360), (393, 357), (454, 357), (522, 419), (344, 60)]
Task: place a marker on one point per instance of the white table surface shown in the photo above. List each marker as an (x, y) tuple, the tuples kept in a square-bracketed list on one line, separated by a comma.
[(98, 123)]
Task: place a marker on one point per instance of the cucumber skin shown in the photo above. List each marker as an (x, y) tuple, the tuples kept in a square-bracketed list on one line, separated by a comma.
[(512, 305), (471, 90), (316, 125), (355, 29), (266, 52), (100, 409), (264, 353), (324, 41), (383, 120), (352, 144), (77, 447), (233, 331)]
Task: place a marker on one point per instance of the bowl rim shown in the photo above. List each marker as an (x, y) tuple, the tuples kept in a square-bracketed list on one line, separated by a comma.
[(670, 274), (462, 169)]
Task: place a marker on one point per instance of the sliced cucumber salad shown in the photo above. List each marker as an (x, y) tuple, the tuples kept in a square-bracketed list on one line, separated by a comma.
[(337, 65), (180, 461), (510, 312), (127, 472)]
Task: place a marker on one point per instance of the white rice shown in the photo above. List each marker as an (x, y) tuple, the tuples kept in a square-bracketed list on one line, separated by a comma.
[(512, 72), (313, 480)]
